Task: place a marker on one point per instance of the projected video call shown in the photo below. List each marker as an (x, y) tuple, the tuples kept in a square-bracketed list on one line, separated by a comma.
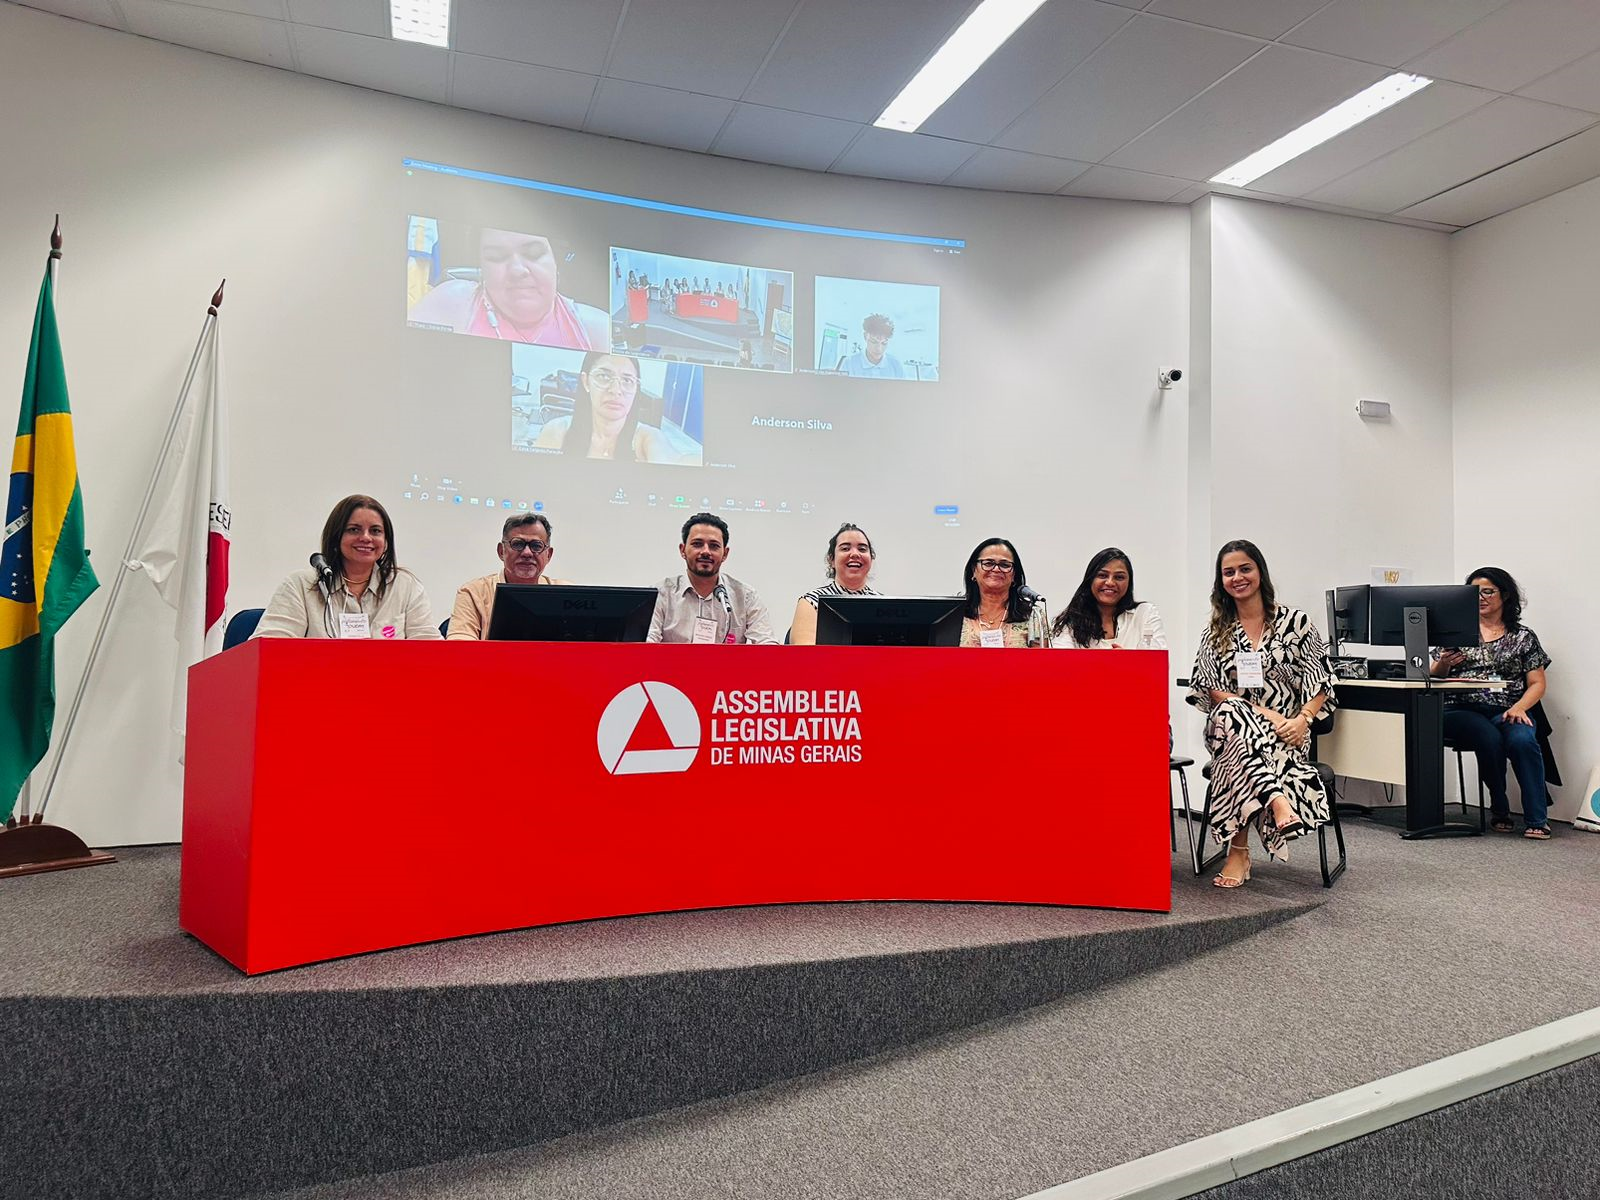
[(636, 333)]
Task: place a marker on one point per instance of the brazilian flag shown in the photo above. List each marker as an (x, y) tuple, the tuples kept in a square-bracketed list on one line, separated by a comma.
[(44, 568)]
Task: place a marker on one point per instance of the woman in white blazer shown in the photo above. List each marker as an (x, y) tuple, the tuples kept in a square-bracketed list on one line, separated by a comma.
[(1103, 614)]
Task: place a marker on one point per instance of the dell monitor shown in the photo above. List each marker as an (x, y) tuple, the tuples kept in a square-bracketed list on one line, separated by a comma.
[(890, 620), (1452, 614), (532, 612)]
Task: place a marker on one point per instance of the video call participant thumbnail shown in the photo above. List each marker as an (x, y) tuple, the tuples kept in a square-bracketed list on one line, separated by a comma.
[(369, 595), (874, 360), (706, 607), (525, 550), (606, 419), (516, 298)]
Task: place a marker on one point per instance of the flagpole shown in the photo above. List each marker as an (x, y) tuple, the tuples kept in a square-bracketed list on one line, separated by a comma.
[(133, 543)]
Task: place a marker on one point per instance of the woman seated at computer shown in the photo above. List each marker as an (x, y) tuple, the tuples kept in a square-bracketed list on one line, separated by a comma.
[(1262, 676), (369, 595), (605, 421), (1103, 614), (848, 564), (1495, 725), (997, 612), (515, 298)]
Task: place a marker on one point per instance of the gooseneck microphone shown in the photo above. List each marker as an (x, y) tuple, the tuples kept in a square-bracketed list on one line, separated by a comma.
[(324, 571)]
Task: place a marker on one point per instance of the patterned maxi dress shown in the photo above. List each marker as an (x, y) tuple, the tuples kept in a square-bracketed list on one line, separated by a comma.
[(1249, 762)]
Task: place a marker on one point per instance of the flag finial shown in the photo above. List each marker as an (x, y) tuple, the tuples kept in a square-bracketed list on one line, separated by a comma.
[(216, 298), (55, 238)]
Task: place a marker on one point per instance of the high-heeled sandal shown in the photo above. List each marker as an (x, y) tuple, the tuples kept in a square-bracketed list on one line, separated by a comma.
[(1223, 881), (1291, 828)]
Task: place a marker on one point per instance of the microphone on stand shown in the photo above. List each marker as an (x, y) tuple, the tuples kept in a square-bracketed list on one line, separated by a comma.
[(721, 593), (1038, 616), (324, 571)]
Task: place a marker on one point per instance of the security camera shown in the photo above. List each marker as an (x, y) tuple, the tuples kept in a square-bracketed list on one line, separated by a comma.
[(1168, 376)]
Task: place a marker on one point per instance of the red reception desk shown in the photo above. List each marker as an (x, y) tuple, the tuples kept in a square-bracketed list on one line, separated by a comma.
[(342, 797), (706, 307)]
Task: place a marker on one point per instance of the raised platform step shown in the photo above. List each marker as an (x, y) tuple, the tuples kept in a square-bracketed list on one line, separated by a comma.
[(139, 1064)]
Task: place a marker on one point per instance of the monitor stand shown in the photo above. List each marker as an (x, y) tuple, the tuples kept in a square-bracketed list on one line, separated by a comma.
[(1416, 643)]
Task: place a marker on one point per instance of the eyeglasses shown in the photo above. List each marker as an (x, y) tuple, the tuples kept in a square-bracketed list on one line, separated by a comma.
[(996, 564), (603, 378), (1487, 592), (518, 545)]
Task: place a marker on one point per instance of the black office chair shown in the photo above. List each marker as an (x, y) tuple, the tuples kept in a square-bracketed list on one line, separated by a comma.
[(1321, 726), (1461, 776), (1179, 765), (240, 626)]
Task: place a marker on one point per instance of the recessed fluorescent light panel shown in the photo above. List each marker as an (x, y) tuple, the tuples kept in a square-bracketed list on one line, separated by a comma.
[(1381, 95), (425, 21), (980, 35)]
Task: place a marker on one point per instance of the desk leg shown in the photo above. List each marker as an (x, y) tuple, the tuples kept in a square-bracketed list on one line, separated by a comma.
[(1425, 770)]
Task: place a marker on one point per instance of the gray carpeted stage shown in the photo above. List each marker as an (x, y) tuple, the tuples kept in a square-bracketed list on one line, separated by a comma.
[(777, 1047)]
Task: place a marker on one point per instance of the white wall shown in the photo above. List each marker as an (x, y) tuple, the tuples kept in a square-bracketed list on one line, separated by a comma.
[(1526, 289), (172, 168), (1309, 312)]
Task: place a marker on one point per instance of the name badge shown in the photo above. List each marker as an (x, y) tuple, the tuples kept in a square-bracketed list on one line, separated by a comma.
[(992, 639), (705, 632), (354, 625), (1248, 665)]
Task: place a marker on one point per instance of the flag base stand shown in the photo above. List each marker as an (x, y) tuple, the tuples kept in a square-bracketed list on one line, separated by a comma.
[(29, 848)]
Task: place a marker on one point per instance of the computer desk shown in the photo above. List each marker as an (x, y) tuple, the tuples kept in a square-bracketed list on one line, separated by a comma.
[(1392, 730)]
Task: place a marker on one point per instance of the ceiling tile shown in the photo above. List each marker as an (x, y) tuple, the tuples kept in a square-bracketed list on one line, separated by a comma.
[(1515, 45), (1114, 183), (271, 10), (230, 33), (1576, 86), (1278, 90), (1129, 3), (404, 68), (95, 12), (1014, 171), (833, 63), (659, 116), (370, 17), (1432, 108), (1143, 73), (1258, 18), (1190, 194), (1553, 169), (889, 154), (1481, 141), (571, 34), (1383, 31), (664, 42), (521, 90), (1053, 41), (790, 139)]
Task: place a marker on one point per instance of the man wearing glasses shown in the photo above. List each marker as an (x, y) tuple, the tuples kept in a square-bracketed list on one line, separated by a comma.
[(525, 551), (875, 361)]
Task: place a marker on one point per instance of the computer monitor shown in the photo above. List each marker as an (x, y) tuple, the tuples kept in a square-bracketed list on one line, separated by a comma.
[(532, 612), (1348, 615), (890, 620), (1452, 613)]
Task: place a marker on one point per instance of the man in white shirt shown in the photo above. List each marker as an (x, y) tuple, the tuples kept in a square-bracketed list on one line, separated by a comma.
[(875, 362), (706, 607)]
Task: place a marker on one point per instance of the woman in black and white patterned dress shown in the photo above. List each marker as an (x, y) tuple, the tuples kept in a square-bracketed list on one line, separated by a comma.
[(849, 561), (1262, 676)]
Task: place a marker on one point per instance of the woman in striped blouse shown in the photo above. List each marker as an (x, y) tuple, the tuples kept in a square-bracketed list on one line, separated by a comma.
[(849, 562)]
